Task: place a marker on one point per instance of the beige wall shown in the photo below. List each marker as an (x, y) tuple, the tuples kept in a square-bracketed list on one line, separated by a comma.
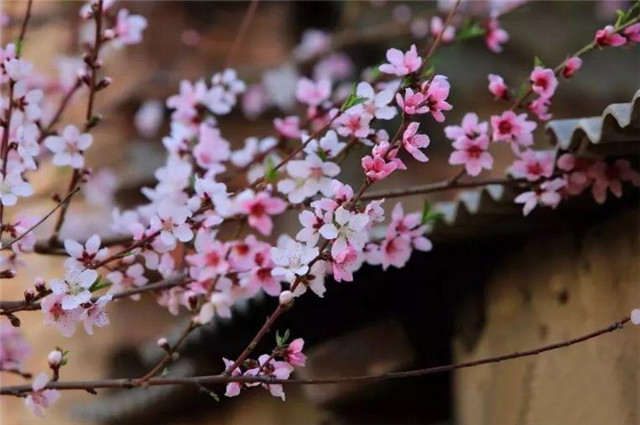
[(555, 289)]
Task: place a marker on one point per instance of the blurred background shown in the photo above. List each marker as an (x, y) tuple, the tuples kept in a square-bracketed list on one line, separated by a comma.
[(347, 334)]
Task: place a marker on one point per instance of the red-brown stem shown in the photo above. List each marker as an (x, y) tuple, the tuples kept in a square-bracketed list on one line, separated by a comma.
[(20, 390), (237, 41), (93, 65)]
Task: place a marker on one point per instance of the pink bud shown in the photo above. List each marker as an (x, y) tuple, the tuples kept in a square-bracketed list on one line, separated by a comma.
[(286, 297), (635, 316), (109, 34), (39, 284), (54, 358), (163, 343)]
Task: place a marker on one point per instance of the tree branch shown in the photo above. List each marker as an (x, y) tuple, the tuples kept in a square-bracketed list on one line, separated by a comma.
[(20, 390)]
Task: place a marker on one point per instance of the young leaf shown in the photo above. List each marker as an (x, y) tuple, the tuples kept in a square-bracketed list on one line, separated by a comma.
[(538, 62), (470, 30), (352, 99), (270, 173), (430, 216)]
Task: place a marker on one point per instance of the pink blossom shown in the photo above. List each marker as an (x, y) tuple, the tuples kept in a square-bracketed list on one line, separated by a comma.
[(632, 33), (54, 315), (13, 347), (233, 388), (212, 148), (89, 252), (513, 128), (39, 398), (69, 148), (412, 103), (382, 162), (608, 36), (148, 118), (436, 93), (472, 153), (95, 314), (539, 107), (291, 258), (544, 81), (410, 227), (577, 178), (311, 224), (345, 263), (313, 42), (185, 103), (308, 177), (210, 257), (12, 186), (260, 207), (571, 66), (611, 176), (354, 123), (402, 64), (288, 127), (74, 288), (171, 221), (413, 142), (348, 229), (495, 36), (533, 165), (547, 194), (313, 93), (132, 277), (437, 27), (329, 146), (128, 28), (275, 369), (497, 87), (293, 353), (376, 104)]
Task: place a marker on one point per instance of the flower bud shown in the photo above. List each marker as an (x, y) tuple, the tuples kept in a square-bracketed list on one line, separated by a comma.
[(163, 343), (286, 297), (40, 285), (29, 295), (109, 34), (54, 358), (7, 274), (635, 316)]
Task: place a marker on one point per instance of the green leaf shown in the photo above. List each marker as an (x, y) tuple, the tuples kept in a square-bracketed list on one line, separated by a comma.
[(427, 73), (538, 62), (270, 173), (214, 396), (281, 340), (99, 286), (430, 216), (18, 44), (470, 30), (165, 372), (95, 283), (352, 100), (622, 17)]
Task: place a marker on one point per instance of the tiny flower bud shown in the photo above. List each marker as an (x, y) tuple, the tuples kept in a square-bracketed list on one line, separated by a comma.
[(29, 295), (635, 316), (104, 83), (40, 285), (109, 34), (286, 297), (15, 322), (54, 359), (164, 344), (7, 274)]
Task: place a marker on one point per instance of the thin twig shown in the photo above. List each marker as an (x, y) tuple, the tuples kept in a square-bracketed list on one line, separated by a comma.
[(19, 390), (42, 220), (237, 41)]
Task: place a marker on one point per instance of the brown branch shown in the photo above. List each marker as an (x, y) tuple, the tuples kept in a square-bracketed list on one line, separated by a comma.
[(19, 390), (93, 64), (42, 220), (241, 32), (25, 22), (9, 307), (592, 45), (441, 186)]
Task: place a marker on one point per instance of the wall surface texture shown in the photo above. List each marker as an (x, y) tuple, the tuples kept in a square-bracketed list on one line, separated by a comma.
[(554, 289)]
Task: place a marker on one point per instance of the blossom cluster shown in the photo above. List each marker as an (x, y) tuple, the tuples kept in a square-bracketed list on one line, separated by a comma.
[(181, 232)]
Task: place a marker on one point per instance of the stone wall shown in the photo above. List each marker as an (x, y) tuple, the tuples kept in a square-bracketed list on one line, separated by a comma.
[(552, 290)]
